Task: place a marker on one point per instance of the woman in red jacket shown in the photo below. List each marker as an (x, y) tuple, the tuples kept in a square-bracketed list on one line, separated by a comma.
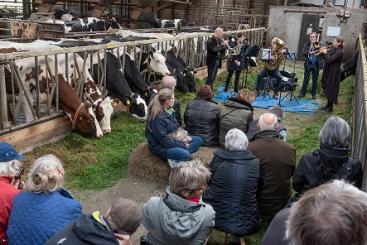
[(10, 167)]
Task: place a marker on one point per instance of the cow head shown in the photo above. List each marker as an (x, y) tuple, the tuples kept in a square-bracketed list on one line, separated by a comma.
[(104, 112), (85, 121), (138, 107), (181, 82), (157, 63), (189, 78)]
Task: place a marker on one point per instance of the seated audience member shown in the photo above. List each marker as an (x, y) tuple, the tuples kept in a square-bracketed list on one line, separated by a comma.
[(331, 214), (232, 192), (277, 161), (202, 116), (121, 221), (275, 234), (331, 161), (279, 127), (180, 217), (10, 168), (170, 82), (44, 208), (161, 123), (236, 113)]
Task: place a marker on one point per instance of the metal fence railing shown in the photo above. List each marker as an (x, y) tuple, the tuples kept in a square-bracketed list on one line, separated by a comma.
[(359, 139), (191, 47)]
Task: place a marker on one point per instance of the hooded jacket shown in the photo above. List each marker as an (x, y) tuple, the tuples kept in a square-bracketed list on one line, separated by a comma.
[(174, 220), (234, 114), (327, 163), (88, 229), (232, 193)]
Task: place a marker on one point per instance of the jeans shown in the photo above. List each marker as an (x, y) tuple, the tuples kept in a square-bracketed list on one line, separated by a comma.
[(260, 85), (212, 72), (181, 154), (236, 80), (314, 71)]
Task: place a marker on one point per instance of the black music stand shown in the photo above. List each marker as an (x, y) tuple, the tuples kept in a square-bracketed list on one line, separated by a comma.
[(289, 80), (267, 84), (251, 51)]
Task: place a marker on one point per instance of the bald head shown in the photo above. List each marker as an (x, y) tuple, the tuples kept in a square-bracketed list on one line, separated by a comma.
[(267, 121), (168, 82), (218, 32)]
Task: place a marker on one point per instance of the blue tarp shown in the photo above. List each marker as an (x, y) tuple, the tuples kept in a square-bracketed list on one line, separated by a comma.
[(307, 106)]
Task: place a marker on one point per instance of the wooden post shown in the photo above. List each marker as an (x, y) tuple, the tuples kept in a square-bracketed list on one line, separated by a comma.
[(4, 105)]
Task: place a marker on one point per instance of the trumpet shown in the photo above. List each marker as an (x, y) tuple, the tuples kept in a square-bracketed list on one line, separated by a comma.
[(318, 51)]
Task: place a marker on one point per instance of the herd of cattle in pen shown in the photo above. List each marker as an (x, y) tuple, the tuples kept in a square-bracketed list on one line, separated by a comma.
[(125, 79)]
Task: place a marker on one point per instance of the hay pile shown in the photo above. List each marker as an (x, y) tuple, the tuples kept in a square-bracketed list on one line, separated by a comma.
[(143, 164)]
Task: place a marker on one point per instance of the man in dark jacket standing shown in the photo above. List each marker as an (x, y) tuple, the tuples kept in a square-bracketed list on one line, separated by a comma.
[(312, 65), (122, 220), (277, 162), (214, 45), (232, 193)]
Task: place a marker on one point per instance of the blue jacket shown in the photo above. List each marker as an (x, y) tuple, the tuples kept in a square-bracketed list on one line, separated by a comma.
[(35, 217), (157, 132), (232, 193)]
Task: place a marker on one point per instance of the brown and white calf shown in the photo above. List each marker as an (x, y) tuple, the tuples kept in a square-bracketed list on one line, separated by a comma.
[(102, 106), (81, 114)]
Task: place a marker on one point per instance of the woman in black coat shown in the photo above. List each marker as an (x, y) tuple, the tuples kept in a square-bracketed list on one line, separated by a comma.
[(202, 117), (232, 193), (236, 60), (331, 75), (331, 161)]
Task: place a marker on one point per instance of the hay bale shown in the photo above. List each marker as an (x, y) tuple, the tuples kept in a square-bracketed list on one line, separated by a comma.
[(143, 164)]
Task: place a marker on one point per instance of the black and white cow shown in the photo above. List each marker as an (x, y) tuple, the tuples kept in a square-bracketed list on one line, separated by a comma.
[(184, 75), (164, 23), (90, 24), (118, 87)]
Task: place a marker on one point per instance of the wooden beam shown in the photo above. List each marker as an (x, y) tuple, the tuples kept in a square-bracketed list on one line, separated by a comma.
[(27, 138), (177, 1), (164, 6)]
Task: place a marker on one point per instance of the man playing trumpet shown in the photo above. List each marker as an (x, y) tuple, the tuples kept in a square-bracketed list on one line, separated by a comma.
[(312, 65), (271, 69)]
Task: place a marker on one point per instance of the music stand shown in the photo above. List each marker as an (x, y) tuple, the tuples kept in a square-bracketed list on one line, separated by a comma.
[(289, 80), (251, 51)]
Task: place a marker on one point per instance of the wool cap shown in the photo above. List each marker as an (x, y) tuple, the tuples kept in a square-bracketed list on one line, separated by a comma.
[(9, 153)]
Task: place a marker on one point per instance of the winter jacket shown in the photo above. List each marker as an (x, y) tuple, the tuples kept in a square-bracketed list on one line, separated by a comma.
[(327, 163), (87, 229), (234, 114), (232, 192), (202, 119), (308, 61), (231, 64), (157, 132), (174, 220), (35, 217), (277, 162), (7, 193), (214, 47)]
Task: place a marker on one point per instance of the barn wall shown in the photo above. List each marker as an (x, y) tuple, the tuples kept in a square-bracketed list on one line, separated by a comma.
[(210, 12)]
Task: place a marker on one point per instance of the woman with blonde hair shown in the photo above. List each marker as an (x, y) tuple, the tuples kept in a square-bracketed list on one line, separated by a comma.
[(44, 207), (236, 113), (161, 124)]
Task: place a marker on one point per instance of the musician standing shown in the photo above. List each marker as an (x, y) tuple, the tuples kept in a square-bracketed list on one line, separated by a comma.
[(332, 74), (215, 45), (312, 65), (272, 66), (236, 60)]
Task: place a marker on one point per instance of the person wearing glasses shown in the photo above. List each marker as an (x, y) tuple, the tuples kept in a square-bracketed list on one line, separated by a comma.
[(10, 169)]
